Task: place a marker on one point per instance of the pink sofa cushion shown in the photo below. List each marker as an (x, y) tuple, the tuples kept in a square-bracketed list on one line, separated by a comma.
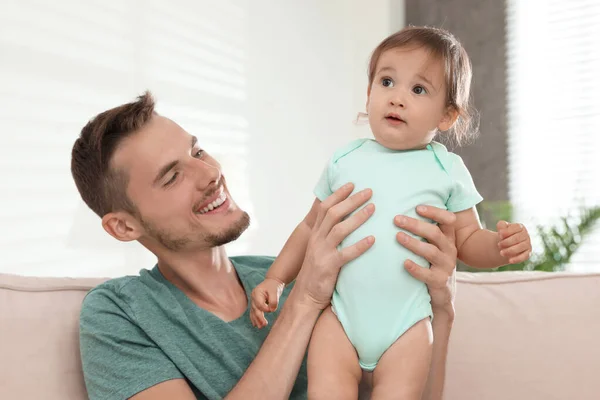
[(39, 331), (525, 336)]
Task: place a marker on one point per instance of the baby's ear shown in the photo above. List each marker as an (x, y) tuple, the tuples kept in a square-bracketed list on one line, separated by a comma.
[(449, 118)]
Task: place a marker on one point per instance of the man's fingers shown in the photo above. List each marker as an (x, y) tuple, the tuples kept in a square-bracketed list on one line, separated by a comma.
[(342, 229), (351, 252), (437, 214), (450, 232), (336, 197), (336, 213), (430, 232), (422, 274), (426, 250)]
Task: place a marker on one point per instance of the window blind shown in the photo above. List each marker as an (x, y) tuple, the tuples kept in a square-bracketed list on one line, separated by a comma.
[(63, 62)]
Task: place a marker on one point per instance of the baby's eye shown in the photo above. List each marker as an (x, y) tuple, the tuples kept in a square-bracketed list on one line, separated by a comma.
[(387, 82), (419, 90)]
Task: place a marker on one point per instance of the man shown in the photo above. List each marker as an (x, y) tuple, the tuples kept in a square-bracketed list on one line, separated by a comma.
[(182, 329)]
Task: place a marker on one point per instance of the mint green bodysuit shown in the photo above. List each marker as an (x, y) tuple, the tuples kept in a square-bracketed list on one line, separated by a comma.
[(375, 299)]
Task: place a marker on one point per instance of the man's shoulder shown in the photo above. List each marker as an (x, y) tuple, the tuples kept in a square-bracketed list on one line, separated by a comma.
[(253, 263), (115, 284), (252, 269), (114, 293)]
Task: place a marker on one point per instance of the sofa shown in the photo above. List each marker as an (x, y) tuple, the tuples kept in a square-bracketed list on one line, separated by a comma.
[(517, 336)]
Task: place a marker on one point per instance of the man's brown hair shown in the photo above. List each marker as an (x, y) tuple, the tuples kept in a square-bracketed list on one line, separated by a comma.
[(103, 188)]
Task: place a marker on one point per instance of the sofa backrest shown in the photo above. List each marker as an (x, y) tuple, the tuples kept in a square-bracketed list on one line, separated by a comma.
[(39, 331), (517, 336), (525, 335)]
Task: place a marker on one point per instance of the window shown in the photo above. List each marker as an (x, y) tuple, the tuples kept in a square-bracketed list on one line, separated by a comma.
[(554, 112)]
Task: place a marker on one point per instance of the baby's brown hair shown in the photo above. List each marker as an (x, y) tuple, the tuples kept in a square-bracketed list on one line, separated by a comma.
[(443, 45)]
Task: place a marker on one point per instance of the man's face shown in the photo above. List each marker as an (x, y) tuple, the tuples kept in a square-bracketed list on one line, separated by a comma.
[(180, 194)]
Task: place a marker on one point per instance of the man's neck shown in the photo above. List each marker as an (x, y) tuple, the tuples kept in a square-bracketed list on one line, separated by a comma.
[(208, 278)]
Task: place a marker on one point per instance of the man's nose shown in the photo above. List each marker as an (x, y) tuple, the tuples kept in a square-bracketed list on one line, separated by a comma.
[(205, 174)]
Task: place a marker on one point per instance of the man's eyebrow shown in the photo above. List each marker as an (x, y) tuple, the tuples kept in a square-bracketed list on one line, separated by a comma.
[(165, 170)]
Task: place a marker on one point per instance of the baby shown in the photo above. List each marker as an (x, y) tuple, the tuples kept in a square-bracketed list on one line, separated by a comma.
[(380, 316)]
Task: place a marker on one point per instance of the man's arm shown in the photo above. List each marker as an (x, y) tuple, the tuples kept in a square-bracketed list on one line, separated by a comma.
[(442, 325), (273, 372), (441, 252), (176, 389)]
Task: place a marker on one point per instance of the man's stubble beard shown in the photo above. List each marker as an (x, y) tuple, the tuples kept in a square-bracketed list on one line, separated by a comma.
[(174, 244), (232, 233)]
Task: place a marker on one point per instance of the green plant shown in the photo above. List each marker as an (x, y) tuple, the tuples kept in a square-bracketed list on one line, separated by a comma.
[(558, 242)]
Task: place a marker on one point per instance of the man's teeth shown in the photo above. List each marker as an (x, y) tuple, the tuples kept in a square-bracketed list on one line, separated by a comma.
[(220, 200)]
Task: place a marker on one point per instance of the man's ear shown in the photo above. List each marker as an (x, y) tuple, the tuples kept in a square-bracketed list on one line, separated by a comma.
[(448, 119), (122, 226)]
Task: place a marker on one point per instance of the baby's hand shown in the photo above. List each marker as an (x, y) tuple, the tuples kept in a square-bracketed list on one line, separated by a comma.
[(514, 242), (265, 298)]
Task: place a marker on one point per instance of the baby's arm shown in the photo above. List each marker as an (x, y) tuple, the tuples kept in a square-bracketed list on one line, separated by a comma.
[(286, 266), (482, 248)]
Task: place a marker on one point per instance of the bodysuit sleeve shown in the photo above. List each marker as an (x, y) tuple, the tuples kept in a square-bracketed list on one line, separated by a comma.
[(463, 194)]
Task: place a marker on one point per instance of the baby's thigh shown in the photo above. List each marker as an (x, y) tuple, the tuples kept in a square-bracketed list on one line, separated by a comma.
[(333, 369), (403, 369)]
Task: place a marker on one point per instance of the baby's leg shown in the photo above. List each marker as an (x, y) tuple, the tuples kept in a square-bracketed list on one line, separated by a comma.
[(402, 371), (333, 369)]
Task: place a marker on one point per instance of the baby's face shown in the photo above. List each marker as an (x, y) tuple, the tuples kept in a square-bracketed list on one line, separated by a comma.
[(407, 100)]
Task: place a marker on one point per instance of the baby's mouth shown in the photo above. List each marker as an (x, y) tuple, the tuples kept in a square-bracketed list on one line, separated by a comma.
[(394, 118)]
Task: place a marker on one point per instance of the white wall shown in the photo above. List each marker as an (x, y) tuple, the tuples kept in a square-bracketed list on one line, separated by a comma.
[(307, 81), (293, 78)]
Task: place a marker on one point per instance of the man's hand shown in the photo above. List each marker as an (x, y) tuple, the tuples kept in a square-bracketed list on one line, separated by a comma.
[(514, 242), (440, 251), (265, 298), (323, 260)]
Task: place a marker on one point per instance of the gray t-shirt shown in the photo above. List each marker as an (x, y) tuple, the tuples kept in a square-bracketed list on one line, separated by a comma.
[(138, 331)]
